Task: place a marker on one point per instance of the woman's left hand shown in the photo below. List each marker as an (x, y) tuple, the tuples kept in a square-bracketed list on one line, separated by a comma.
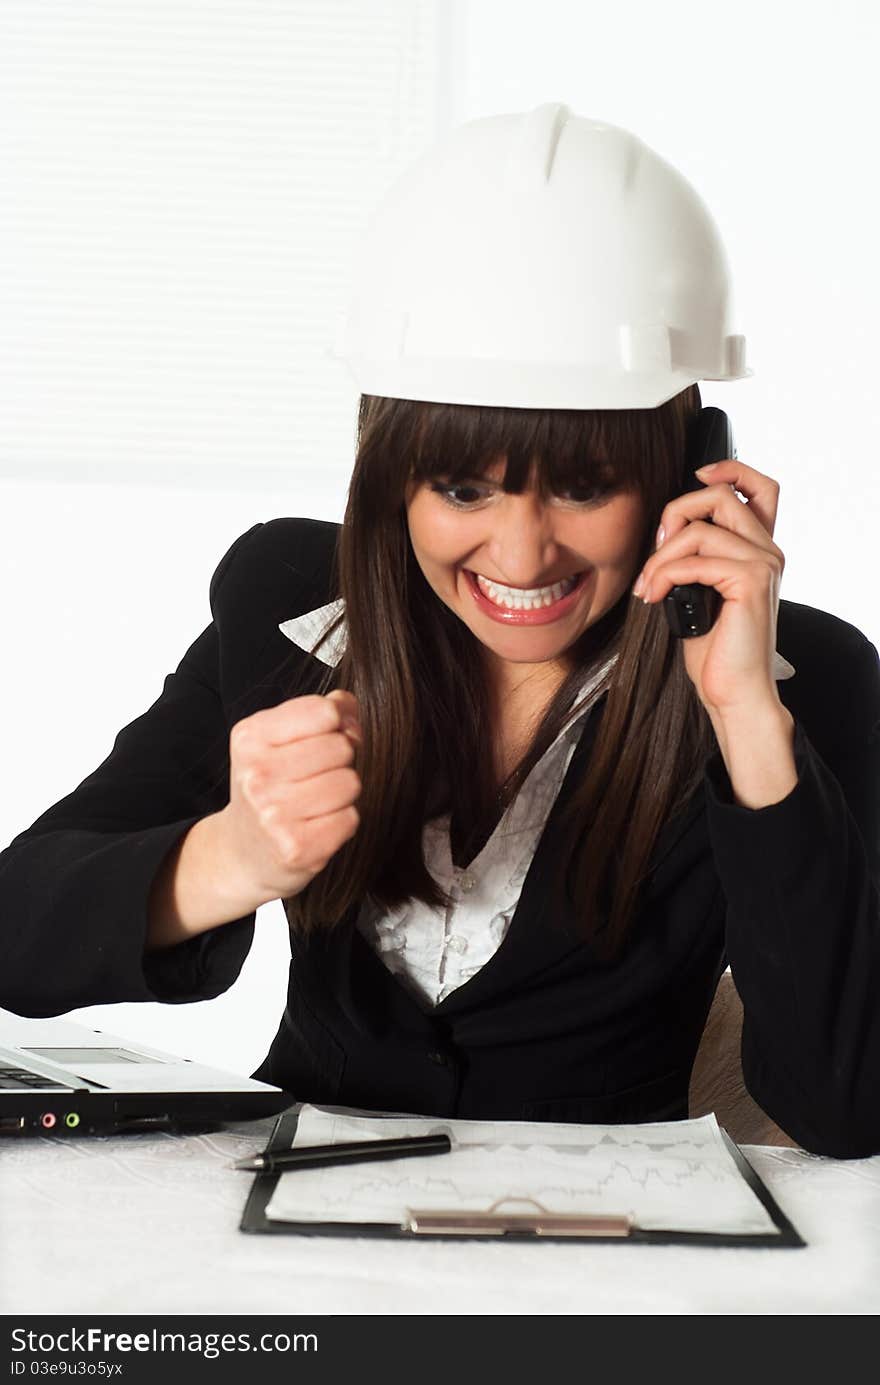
[(731, 667)]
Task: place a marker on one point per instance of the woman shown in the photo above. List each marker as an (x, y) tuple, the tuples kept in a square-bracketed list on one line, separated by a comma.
[(519, 828)]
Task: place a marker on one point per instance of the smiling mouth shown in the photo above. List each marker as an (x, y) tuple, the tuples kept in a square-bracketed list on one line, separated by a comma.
[(525, 598)]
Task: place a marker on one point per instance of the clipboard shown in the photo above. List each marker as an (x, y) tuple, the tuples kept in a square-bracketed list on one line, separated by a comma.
[(500, 1222)]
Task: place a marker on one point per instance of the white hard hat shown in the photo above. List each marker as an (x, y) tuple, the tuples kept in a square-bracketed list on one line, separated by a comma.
[(540, 260)]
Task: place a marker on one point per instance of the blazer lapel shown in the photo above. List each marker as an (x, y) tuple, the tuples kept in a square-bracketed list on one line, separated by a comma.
[(538, 938)]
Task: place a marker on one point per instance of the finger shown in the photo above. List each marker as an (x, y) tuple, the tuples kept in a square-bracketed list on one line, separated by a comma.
[(718, 503), (315, 840), (707, 541), (761, 492), (348, 706), (262, 777), (316, 755), (345, 700), (736, 579), (292, 720), (312, 798)]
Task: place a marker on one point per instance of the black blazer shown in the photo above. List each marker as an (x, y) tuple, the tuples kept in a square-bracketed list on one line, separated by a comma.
[(788, 894)]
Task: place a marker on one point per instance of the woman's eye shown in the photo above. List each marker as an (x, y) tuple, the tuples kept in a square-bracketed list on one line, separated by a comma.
[(465, 495), (462, 496), (584, 494)]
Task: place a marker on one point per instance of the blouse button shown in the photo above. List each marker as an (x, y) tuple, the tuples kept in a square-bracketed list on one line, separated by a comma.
[(457, 944), (467, 882)]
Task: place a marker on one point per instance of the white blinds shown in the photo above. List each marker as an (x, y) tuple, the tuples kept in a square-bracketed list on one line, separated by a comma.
[(183, 183)]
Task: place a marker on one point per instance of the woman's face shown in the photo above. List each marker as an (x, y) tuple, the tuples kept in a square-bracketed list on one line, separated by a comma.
[(494, 560)]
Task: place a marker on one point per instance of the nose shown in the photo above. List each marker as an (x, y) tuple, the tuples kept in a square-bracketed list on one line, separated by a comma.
[(523, 546)]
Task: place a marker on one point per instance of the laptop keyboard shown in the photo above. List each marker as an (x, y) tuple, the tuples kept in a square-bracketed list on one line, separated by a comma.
[(14, 1079)]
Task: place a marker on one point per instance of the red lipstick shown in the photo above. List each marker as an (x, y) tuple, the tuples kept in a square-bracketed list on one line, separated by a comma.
[(538, 615)]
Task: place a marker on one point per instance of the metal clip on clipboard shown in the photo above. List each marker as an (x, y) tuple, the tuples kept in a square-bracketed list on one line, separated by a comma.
[(496, 1223)]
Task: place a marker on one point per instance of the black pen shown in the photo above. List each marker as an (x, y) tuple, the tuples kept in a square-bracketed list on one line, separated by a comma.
[(320, 1156)]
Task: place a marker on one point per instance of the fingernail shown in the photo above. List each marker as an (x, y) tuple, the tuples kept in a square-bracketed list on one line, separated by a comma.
[(661, 535), (349, 724), (708, 467), (637, 589)]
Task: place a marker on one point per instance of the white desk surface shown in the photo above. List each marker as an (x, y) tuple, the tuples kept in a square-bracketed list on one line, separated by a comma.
[(146, 1224)]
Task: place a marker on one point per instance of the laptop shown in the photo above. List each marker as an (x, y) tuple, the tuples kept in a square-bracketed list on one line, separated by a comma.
[(62, 1078)]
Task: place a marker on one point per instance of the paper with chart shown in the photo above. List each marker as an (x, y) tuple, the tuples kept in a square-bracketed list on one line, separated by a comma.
[(667, 1175)]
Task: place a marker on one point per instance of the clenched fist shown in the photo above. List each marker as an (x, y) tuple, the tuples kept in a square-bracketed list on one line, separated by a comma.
[(292, 790)]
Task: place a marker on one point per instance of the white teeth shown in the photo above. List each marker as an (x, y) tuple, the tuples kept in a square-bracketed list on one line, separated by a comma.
[(524, 598)]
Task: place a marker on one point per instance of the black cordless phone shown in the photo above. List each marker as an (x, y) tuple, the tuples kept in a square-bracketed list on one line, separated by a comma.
[(693, 609)]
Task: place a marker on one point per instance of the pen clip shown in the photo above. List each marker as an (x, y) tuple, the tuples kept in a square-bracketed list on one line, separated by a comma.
[(434, 1221)]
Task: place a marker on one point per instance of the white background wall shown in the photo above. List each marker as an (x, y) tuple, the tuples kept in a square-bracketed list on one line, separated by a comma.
[(112, 515)]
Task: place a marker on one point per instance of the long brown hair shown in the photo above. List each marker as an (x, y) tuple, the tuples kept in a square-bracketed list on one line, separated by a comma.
[(419, 677)]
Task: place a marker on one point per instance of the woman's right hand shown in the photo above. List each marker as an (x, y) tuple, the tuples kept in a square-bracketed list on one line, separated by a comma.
[(292, 791)]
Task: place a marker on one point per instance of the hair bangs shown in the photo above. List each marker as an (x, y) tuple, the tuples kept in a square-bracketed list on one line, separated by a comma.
[(568, 448)]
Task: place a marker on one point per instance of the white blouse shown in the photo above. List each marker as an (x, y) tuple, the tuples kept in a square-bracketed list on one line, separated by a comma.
[(435, 950)]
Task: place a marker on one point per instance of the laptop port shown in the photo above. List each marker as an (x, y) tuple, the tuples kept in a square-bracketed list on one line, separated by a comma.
[(11, 1125), (157, 1122), (48, 1119), (71, 1120)]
